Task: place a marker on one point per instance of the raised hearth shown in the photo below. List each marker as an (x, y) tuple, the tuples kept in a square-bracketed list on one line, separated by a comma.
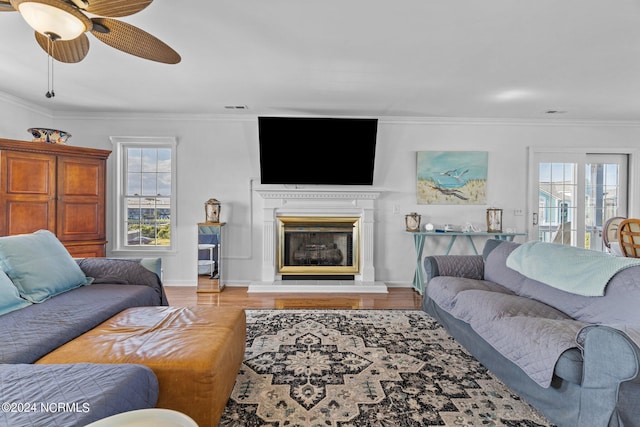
[(319, 286)]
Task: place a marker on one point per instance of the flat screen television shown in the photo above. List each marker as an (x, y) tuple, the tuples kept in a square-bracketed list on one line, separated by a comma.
[(317, 150)]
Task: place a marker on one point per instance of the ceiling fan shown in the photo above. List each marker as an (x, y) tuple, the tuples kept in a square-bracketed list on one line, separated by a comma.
[(61, 27)]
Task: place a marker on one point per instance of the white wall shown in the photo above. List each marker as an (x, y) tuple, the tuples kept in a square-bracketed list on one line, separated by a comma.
[(18, 116), (218, 157), (507, 144)]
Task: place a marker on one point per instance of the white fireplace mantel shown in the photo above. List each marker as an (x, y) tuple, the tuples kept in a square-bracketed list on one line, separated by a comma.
[(307, 193), (318, 201)]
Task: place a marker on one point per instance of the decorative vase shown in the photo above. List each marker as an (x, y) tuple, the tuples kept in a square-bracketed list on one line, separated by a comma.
[(212, 210)]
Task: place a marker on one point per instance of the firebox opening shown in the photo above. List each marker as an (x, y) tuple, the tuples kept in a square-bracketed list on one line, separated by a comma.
[(322, 246)]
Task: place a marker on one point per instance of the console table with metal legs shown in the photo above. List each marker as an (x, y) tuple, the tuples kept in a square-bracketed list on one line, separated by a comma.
[(419, 238)]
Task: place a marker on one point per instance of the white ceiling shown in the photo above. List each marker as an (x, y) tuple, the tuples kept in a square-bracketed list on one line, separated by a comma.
[(408, 58)]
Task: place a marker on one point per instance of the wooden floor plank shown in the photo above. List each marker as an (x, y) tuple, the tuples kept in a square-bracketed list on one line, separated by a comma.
[(234, 296)]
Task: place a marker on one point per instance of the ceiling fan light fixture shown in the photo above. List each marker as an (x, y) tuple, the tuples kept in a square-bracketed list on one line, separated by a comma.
[(53, 18)]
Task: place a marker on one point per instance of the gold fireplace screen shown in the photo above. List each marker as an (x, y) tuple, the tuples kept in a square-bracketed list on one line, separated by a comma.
[(318, 245)]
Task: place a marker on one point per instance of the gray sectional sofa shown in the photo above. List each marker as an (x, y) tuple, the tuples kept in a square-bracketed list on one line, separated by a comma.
[(41, 310), (571, 352)]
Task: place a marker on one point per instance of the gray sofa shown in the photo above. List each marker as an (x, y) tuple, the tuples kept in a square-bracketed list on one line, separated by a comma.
[(76, 394), (573, 357)]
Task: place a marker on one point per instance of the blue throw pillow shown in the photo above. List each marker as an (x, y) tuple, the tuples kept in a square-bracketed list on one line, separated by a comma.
[(153, 264), (9, 297), (39, 265)]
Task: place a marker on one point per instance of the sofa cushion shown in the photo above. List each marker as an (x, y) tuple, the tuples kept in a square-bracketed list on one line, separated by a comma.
[(487, 305), (568, 268), (531, 334), (89, 392), (126, 271), (496, 270), (31, 332), (39, 265), (443, 290), (618, 306), (9, 297)]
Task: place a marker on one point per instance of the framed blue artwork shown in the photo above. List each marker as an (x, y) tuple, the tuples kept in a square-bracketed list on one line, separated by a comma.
[(452, 177)]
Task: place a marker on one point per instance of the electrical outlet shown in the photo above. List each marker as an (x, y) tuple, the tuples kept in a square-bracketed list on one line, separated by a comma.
[(518, 212), (396, 209)]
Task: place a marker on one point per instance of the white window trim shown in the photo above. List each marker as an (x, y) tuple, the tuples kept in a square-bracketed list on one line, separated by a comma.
[(120, 144)]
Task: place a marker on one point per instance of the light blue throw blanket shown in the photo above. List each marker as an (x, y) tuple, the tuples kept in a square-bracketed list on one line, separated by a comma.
[(576, 270)]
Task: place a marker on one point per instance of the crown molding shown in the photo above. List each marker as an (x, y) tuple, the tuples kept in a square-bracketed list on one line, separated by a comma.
[(164, 117), (494, 121), (251, 117), (387, 120), (25, 105)]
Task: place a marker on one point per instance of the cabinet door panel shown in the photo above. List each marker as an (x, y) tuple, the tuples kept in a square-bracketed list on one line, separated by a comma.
[(27, 192), (81, 178), (81, 199), (27, 217), (80, 219), (33, 175)]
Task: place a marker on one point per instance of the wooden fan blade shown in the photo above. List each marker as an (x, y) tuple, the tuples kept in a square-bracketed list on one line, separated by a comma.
[(68, 51), (5, 6), (133, 40), (116, 8)]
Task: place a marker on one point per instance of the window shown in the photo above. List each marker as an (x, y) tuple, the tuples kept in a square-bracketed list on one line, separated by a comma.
[(576, 193), (146, 193)]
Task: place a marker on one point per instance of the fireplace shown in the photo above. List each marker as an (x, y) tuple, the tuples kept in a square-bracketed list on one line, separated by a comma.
[(318, 247), (311, 260)]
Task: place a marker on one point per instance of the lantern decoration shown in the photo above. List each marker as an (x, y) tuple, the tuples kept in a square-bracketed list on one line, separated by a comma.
[(412, 221), (212, 210), (494, 220)]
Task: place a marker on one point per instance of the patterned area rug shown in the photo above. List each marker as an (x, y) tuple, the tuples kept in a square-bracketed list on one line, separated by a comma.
[(355, 368)]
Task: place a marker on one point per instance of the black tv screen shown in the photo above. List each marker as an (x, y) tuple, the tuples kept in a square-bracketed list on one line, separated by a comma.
[(317, 150)]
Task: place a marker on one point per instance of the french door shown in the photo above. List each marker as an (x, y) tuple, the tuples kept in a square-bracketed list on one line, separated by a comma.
[(573, 194)]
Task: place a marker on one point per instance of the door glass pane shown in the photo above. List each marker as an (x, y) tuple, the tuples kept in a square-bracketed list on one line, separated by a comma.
[(576, 194), (557, 190), (604, 191)]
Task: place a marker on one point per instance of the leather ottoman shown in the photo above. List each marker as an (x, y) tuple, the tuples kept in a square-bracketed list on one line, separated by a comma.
[(195, 352)]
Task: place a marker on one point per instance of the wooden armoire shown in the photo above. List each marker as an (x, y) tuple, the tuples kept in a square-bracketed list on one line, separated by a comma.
[(60, 188)]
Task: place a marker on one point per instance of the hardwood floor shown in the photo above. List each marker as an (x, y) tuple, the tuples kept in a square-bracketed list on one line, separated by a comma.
[(232, 296)]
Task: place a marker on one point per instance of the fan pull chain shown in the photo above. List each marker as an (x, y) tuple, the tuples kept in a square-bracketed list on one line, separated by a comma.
[(50, 92)]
